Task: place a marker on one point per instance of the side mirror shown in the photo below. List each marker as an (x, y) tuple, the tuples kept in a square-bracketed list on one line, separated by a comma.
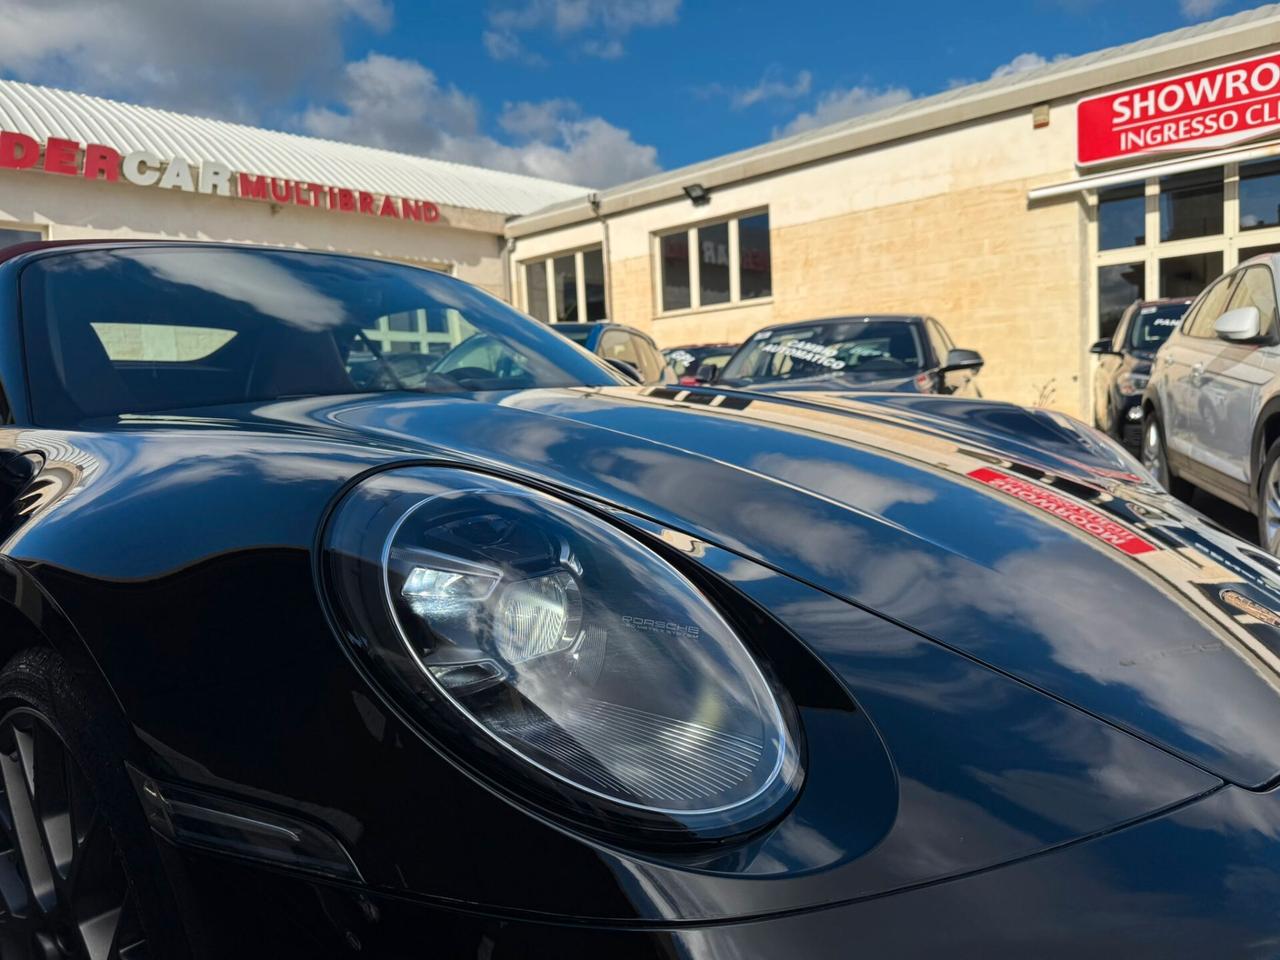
[(707, 373), (626, 369), (1103, 346), (1242, 323), (962, 360)]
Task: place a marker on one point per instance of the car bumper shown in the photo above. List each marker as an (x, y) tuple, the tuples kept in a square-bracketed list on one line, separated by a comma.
[(1199, 881)]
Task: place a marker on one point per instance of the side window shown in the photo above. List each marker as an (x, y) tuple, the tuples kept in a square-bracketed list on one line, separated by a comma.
[(651, 361), (1257, 289), (1211, 307), (937, 341), (617, 345), (1122, 328)]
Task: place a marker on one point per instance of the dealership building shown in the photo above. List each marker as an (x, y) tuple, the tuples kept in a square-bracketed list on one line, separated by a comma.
[(1024, 212)]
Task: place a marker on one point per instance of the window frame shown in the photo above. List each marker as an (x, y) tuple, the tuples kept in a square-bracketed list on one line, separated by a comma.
[(579, 277), (695, 264)]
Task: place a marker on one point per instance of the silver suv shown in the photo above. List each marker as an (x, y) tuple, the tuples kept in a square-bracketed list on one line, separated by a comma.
[(1211, 413)]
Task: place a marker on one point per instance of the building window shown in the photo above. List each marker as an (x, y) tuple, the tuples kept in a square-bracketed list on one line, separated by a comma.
[(716, 263), (1118, 286), (1260, 195), (713, 264), (1122, 217), (1248, 253), (1186, 276), (8, 237), (566, 288), (675, 272), (535, 287), (1191, 205), (755, 277)]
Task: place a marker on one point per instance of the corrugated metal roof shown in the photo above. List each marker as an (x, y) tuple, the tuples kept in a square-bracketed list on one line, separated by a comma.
[(1078, 75), (44, 112)]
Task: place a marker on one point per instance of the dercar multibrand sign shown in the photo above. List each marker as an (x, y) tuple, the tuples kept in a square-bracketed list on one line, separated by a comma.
[(18, 151), (1217, 107)]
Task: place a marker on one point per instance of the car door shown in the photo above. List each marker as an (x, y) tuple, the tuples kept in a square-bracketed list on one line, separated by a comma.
[(957, 381), (1235, 378), (1183, 360)]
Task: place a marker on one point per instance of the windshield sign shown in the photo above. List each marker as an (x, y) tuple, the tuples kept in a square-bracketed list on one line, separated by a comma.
[(1152, 326), (862, 349)]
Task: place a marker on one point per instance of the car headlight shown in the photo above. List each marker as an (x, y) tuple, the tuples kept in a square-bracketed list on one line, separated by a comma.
[(560, 657), (1132, 384)]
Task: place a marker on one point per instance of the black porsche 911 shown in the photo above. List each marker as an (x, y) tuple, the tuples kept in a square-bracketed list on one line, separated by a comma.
[(528, 661)]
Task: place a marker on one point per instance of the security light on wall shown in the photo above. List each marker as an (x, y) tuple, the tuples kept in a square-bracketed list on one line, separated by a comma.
[(697, 193)]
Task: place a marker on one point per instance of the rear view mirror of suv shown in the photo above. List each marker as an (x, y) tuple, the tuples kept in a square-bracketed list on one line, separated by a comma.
[(1243, 323)]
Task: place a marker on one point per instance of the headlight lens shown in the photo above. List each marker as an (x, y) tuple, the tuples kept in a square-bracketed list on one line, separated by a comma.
[(1132, 384), (561, 650)]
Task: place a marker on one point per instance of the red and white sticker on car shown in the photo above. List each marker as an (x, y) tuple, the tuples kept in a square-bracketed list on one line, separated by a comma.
[(1077, 514)]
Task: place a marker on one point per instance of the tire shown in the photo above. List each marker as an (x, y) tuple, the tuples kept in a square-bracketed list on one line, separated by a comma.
[(80, 876), (1155, 457), (1267, 503)]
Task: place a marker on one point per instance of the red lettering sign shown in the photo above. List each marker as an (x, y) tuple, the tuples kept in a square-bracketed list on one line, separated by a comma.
[(101, 160), (1212, 108), (1076, 514), (60, 156), (18, 151), (253, 188)]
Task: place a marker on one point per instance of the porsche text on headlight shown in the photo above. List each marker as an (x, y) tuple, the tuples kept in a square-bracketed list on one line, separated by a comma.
[(563, 657)]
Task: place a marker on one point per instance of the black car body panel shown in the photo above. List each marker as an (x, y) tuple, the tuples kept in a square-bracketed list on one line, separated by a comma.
[(1005, 646)]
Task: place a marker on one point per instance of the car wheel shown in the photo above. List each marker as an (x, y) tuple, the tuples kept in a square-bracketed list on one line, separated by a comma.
[(1268, 509), (80, 878), (1155, 458)]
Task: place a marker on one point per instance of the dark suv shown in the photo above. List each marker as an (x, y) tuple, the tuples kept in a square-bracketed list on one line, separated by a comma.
[(1124, 366)]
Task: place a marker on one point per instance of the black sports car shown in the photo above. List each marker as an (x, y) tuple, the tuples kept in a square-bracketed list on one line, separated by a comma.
[(527, 661), (853, 355), (1124, 367)]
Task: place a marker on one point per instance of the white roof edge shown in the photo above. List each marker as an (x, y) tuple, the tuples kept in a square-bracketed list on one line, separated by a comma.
[(1113, 67)]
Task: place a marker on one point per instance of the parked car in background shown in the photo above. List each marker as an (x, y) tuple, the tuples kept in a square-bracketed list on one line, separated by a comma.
[(909, 353), (1211, 412), (620, 344), (687, 361), (1124, 367)]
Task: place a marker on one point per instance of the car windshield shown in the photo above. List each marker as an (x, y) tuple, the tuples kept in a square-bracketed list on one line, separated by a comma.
[(1153, 324), (685, 361), (145, 329), (579, 335), (864, 349)]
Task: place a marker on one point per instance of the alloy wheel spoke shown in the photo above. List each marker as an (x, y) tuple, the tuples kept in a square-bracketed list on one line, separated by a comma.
[(15, 771), (99, 890)]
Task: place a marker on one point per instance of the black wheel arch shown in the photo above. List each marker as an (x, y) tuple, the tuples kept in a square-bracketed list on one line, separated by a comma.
[(29, 617)]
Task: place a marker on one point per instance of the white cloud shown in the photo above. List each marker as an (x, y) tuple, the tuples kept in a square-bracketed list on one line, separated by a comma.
[(1198, 9), (223, 58), (1022, 63), (401, 105), (836, 105), (605, 22), (772, 86)]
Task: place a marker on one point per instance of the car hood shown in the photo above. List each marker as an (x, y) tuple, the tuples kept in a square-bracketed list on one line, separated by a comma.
[(1021, 538)]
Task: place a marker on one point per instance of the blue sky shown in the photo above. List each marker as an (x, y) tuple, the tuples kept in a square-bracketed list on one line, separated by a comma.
[(590, 91)]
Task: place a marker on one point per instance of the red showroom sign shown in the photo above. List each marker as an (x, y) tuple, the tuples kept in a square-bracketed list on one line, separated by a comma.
[(142, 168), (1212, 108)]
